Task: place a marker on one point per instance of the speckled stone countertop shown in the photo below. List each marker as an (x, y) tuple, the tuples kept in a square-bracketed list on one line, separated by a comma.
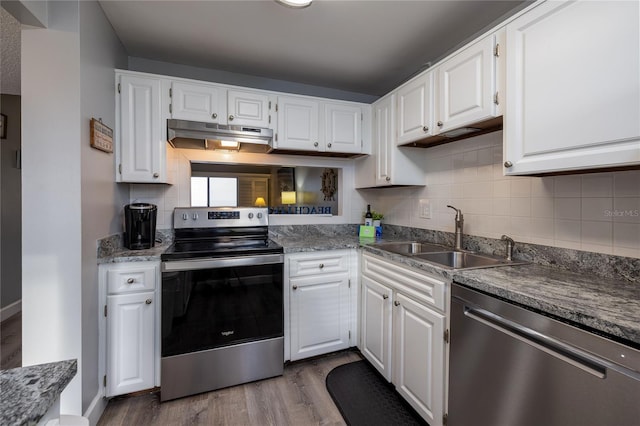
[(607, 306), (559, 283), (603, 305), (110, 249), (27, 393)]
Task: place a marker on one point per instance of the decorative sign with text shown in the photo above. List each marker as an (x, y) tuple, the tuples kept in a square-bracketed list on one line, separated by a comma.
[(101, 136)]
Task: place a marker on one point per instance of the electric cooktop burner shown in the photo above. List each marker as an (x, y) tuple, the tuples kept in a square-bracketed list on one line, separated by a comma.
[(202, 232)]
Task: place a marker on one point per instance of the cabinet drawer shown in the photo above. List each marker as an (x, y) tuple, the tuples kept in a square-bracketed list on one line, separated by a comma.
[(320, 263), (414, 283), (131, 279)]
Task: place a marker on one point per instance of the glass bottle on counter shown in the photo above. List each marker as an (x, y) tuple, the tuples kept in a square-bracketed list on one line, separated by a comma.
[(368, 217)]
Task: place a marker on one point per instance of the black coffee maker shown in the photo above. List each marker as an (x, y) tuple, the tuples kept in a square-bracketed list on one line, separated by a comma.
[(140, 225)]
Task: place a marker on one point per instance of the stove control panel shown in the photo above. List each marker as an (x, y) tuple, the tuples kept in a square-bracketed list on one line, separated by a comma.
[(212, 217)]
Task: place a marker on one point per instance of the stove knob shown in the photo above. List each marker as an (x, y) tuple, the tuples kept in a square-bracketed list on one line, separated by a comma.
[(195, 216), (185, 216), (259, 215), (250, 215)]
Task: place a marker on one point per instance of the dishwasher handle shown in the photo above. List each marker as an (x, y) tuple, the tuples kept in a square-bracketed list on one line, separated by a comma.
[(563, 351)]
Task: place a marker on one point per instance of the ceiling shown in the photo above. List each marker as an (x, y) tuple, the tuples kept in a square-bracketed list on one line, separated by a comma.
[(366, 47)]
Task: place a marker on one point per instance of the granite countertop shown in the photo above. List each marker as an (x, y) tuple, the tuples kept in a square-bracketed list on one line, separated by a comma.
[(27, 393), (123, 254), (606, 305), (295, 244), (603, 305)]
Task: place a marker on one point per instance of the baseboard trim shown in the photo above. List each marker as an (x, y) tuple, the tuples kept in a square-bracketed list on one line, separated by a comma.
[(10, 310), (96, 408)]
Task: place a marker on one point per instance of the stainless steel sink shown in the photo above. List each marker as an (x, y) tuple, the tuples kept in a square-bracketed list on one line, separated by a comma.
[(410, 247), (465, 260)]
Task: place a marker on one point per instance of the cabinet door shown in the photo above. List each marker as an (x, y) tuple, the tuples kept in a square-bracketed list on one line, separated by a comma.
[(466, 86), (319, 312), (248, 108), (297, 124), (419, 357), (567, 109), (343, 131), (383, 142), (376, 325), (142, 133), (415, 109), (130, 343), (198, 102)]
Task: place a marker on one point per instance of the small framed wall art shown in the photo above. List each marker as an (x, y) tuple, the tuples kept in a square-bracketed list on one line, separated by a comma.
[(3, 126), (101, 136)]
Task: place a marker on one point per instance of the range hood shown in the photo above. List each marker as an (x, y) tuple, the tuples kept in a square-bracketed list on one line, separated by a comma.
[(213, 136)]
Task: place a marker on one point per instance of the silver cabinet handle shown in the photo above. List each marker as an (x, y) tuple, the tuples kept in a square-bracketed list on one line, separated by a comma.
[(440, 123), (396, 303), (425, 129), (148, 301), (130, 281), (329, 145), (315, 144), (388, 178), (508, 164), (231, 117), (214, 115), (385, 296), (321, 266), (295, 287), (156, 175)]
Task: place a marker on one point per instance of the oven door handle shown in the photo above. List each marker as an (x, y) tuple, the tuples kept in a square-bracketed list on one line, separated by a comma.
[(223, 262)]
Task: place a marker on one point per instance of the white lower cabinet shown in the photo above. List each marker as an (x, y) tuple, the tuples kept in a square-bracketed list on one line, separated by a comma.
[(403, 326), (320, 310), (129, 294)]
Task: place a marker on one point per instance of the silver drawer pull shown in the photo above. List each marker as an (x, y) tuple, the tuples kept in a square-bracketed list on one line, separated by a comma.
[(130, 281), (148, 301), (295, 287), (321, 266), (385, 296), (396, 303)]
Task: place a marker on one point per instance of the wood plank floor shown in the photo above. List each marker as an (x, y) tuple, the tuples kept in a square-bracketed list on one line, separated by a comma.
[(298, 397), (11, 342)]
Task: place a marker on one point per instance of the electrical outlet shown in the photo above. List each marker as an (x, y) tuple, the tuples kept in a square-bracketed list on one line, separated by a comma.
[(425, 209)]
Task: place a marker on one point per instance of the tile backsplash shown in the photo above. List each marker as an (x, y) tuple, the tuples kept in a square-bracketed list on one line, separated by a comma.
[(597, 212)]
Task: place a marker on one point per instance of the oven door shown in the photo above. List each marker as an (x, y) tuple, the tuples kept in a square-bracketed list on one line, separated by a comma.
[(218, 302)]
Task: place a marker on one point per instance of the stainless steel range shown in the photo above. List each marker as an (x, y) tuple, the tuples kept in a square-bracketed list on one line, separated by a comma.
[(222, 301)]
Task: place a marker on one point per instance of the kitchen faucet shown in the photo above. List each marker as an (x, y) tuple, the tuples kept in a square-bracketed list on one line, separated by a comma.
[(459, 223), (510, 244)]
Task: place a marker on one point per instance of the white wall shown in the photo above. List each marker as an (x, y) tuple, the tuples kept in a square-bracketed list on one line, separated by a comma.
[(102, 199), (70, 198), (597, 212), (51, 238)]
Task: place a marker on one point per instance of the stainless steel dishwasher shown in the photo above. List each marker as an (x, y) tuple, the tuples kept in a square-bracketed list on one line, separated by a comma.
[(512, 367)]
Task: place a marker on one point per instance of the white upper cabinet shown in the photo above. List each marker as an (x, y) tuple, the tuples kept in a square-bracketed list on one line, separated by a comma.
[(392, 165), (466, 86), (248, 108), (315, 125), (415, 109), (573, 88), (298, 120), (198, 102), (140, 130), (343, 128)]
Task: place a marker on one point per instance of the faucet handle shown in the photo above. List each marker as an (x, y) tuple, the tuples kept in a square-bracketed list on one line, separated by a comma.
[(458, 212), (510, 244)]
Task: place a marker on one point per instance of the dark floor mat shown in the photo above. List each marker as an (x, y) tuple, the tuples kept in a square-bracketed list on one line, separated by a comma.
[(365, 398)]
